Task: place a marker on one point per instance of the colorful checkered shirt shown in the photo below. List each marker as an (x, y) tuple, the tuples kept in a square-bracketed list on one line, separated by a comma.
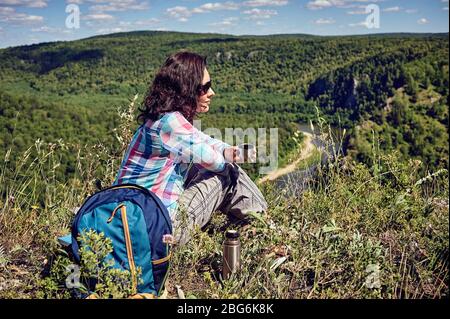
[(160, 153)]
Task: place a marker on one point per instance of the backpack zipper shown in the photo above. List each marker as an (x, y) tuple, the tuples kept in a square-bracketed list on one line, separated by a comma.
[(129, 247), (126, 230)]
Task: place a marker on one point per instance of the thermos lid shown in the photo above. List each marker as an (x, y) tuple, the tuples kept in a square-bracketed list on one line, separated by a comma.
[(231, 234)]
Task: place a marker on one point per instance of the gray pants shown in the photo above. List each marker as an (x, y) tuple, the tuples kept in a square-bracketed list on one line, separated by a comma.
[(231, 192)]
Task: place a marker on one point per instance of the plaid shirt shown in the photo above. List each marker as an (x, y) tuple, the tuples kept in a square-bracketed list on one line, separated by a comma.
[(160, 153)]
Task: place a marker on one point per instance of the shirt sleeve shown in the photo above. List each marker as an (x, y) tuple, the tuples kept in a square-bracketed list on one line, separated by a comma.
[(187, 144), (216, 144)]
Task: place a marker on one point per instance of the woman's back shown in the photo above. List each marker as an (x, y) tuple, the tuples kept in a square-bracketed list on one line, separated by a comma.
[(160, 153)]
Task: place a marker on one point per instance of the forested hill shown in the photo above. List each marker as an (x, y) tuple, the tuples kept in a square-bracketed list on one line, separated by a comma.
[(370, 224), (71, 90)]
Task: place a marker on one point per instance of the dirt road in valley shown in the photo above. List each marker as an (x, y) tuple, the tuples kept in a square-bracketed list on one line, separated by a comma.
[(308, 148)]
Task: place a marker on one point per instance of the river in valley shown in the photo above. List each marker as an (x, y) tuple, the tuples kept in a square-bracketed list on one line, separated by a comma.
[(295, 182)]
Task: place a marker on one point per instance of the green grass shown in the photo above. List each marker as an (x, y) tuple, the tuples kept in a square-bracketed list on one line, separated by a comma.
[(352, 235), (356, 232)]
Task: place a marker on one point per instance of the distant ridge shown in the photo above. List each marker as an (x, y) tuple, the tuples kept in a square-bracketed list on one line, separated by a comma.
[(276, 35), (147, 33)]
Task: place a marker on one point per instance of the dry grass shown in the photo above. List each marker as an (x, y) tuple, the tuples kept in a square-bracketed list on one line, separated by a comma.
[(354, 232)]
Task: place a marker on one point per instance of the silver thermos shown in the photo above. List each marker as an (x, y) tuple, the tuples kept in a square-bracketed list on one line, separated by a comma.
[(231, 253)]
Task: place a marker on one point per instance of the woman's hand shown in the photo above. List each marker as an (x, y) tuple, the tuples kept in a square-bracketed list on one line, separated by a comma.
[(231, 154)]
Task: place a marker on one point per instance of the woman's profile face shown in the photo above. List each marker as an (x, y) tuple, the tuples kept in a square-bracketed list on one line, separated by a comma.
[(204, 98)]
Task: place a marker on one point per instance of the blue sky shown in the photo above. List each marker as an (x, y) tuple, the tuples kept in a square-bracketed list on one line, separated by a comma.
[(35, 21)]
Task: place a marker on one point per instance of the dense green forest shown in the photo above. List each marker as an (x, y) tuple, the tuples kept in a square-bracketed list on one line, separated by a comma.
[(400, 99), (381, 207), (72, 90)]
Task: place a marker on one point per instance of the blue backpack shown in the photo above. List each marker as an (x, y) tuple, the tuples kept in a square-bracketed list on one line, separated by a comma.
[(136, 221)]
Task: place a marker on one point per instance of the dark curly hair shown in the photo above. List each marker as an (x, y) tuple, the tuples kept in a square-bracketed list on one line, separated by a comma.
[(175, 87)]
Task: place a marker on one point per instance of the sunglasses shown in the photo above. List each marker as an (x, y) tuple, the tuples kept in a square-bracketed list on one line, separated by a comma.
[(204, 88)]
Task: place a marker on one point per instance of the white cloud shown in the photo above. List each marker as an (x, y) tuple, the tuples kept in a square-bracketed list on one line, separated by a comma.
[(227, 22), (256, 14), (9, 15), (325, 21), (324, 4), (44, 29), (25, 3), (100, 6), (98, 17), (22, 18), (392, 9), (182, 13), (7, 10), (217, 6), (52, 30), (120, 6), (423, 21), (179, 12), (359, 9), (359, 24), (265, 3), (357, 12)]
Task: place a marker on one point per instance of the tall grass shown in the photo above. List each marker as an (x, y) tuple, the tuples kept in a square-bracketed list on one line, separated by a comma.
[(36, 207), (354, 231)]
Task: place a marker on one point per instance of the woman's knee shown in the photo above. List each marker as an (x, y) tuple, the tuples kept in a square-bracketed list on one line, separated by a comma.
[(246, 181)]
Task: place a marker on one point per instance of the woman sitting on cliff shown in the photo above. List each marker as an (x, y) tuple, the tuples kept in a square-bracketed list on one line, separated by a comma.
[(193, 174)]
